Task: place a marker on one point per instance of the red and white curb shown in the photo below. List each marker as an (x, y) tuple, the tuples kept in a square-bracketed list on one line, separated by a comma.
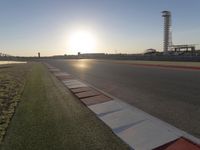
[(138, 129)]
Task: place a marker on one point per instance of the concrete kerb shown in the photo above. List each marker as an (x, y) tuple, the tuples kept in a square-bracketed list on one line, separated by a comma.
[(72, 82), (79, 90), (61, 74), (177, 132), (106, 107), (165, 124), (95, 99)]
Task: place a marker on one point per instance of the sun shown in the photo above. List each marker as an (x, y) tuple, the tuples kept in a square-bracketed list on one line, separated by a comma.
[(82, 41)]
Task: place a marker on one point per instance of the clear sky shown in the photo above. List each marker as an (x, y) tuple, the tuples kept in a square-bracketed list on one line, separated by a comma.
[(122, 26)]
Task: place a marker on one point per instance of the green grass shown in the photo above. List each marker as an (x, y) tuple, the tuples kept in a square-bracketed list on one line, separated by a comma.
[(12, 80), (50, 118)]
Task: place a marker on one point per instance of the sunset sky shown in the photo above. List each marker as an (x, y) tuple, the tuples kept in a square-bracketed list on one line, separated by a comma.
[(57, 27)]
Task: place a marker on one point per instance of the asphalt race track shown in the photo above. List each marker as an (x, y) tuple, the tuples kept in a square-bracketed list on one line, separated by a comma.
[(170, 94)]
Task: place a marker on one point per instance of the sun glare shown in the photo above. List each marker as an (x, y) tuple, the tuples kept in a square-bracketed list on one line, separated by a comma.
[(82, 41)]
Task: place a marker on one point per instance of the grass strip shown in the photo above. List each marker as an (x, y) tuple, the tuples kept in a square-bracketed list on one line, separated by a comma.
[(50, 118), (12, 80)]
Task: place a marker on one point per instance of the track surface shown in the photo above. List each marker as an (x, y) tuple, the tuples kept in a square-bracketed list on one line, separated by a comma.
[(172, 95)]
